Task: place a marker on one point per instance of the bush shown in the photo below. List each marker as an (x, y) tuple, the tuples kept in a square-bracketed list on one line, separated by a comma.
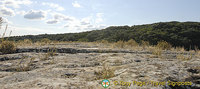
[(28, 41), (45, 41), (132, 42), (164, 45), (7, 47), (157, 52)]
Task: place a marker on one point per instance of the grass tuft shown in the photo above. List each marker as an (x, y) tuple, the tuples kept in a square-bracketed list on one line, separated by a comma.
[(7, 47), (105, 73), (164, 45)]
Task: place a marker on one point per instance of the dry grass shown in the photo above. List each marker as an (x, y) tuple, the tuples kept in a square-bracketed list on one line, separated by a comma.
[(198, 54), (25, 42), (105, 73), (25, 66), (119, 44), (156, 51), (164, 45), (183, 57), (28, 41), (45, 41), (145, 45), (179, 49), (7, 47), (51, 52), (132, 43)]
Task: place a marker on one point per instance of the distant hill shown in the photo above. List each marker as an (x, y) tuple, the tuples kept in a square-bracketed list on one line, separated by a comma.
[(185, 34)]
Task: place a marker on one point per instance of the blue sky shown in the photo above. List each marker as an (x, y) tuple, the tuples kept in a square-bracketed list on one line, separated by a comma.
[(31, 17)]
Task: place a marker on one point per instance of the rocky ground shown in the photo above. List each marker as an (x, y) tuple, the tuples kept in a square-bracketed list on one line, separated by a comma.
[(76, 66)]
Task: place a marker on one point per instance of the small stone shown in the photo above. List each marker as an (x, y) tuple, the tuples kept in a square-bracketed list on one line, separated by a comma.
[(137, 60)]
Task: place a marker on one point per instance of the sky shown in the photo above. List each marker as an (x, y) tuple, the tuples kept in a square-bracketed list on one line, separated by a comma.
[(32, 17)]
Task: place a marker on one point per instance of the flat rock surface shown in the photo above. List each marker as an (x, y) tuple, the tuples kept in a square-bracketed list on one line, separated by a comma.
[(37, 70)]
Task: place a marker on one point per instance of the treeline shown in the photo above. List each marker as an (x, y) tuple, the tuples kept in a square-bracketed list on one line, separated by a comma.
[(184, 34)]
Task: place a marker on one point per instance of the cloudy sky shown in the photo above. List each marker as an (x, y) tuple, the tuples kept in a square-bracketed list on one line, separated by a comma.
[(30, 17)]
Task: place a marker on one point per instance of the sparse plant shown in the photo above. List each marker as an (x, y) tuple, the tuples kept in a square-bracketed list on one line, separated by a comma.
[(105, 73), (164, 45), (25, 66), (50, 53)]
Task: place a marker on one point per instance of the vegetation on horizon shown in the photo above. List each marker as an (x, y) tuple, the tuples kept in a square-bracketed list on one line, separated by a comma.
[(178, 34)]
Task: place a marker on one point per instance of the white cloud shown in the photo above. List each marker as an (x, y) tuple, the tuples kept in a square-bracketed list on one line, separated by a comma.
[(53, 5), (21, 12), (86, 21), (58, 17), (52, 21), (32, 14), (16, 3), (6, 11), (86, 24), (99, 17), (62, 17), (76, 4)]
